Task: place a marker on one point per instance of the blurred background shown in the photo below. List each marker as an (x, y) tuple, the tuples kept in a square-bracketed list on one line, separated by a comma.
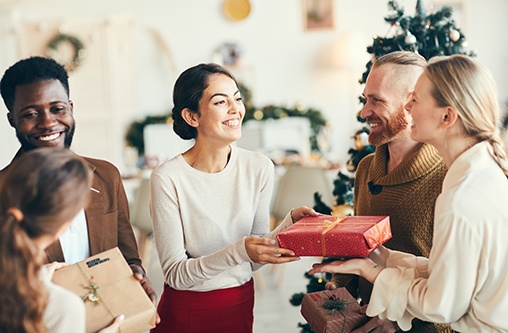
[(299, 63), (300, 54)]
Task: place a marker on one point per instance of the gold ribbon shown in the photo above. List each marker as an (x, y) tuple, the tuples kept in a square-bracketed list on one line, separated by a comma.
[(329, 225)]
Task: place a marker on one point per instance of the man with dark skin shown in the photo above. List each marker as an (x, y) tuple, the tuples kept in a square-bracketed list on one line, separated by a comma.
[(36, 93)]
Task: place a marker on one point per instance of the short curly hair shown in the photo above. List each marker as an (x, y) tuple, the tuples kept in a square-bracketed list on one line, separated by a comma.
[(30, 70), (187, 93)]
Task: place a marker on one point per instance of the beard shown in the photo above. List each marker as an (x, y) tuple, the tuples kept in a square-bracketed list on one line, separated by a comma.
[(27, 145), (396, 124), (70, 135)]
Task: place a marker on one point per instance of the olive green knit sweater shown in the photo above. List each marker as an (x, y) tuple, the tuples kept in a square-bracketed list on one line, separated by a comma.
[(407, 195)]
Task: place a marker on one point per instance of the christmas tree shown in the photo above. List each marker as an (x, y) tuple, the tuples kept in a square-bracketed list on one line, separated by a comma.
[(430, 35)]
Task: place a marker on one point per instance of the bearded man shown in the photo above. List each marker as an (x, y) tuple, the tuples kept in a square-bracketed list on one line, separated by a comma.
[(401, 179)]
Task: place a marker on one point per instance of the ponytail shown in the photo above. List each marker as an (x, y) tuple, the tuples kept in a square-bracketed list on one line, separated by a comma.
[(499, 152), (469, 87), (22, 294), (40, 192)]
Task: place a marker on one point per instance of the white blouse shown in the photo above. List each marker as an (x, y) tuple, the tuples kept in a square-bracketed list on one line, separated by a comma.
[(464, 282)]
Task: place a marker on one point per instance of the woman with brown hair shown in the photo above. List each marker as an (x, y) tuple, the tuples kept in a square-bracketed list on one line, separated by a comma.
[(210, 211), (39, 198)]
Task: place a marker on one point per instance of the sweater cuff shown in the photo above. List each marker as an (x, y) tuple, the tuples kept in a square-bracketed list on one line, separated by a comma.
[(286, 222), (242, 250), (348, 281)]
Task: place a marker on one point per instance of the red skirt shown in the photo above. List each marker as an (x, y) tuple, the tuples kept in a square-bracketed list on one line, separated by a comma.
[(217, 311)]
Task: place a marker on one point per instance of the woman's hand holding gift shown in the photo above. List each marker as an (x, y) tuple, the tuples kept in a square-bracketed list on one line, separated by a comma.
[(300, 212), (363, 267)]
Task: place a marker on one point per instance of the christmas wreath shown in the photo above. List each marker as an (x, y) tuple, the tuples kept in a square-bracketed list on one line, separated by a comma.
[(78, 51), (316, 118), (134, 136)]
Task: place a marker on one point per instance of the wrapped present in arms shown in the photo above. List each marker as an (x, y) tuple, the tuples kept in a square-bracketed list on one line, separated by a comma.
[(332, 236), (332, 311), (106, 284)]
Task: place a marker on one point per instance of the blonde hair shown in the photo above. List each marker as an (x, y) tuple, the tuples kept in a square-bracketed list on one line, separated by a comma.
[(466, 85), (43, 189), (401, 58), (407, 68)]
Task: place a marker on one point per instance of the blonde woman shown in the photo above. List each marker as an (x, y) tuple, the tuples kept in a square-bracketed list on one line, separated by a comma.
[(464, 280)]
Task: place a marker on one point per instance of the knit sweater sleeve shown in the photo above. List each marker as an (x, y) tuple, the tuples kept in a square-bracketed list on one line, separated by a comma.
[(201, 220), (65, 311), (286, 222)]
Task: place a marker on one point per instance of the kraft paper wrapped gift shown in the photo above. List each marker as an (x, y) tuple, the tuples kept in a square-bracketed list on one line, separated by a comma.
[(334, 311), (108, 288), (331, 236)]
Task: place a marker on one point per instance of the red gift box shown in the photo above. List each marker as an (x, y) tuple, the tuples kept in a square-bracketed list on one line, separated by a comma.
[(332, 236), (332, 311)]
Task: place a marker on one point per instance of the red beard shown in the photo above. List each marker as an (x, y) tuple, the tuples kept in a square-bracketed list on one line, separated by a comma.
[(396, 124)]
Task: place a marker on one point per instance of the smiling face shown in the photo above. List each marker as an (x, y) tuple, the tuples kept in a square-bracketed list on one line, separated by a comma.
[(384, 107), (221, 111), (425, 112), (42, 115)]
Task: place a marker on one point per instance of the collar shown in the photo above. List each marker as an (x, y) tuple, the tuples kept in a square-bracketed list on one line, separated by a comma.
[(414, 166), (475, 159)]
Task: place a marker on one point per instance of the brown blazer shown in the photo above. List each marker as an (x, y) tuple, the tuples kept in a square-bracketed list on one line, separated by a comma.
[(107, 215)]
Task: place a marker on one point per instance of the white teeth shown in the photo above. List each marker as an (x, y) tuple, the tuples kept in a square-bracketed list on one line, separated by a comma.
[(233, 122), (49, 137)]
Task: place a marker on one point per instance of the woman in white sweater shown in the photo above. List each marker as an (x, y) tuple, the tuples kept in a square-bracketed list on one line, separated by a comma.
[(464, 281), (42, 193), (209, 207)]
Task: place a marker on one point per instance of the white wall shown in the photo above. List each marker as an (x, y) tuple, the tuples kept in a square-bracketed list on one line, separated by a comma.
[(282, 63), (8, 141)]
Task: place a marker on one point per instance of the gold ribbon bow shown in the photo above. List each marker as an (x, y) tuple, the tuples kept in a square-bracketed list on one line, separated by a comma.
[(329, 225)]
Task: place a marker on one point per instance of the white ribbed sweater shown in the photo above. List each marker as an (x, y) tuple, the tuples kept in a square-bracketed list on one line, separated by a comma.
[(201, 219)]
